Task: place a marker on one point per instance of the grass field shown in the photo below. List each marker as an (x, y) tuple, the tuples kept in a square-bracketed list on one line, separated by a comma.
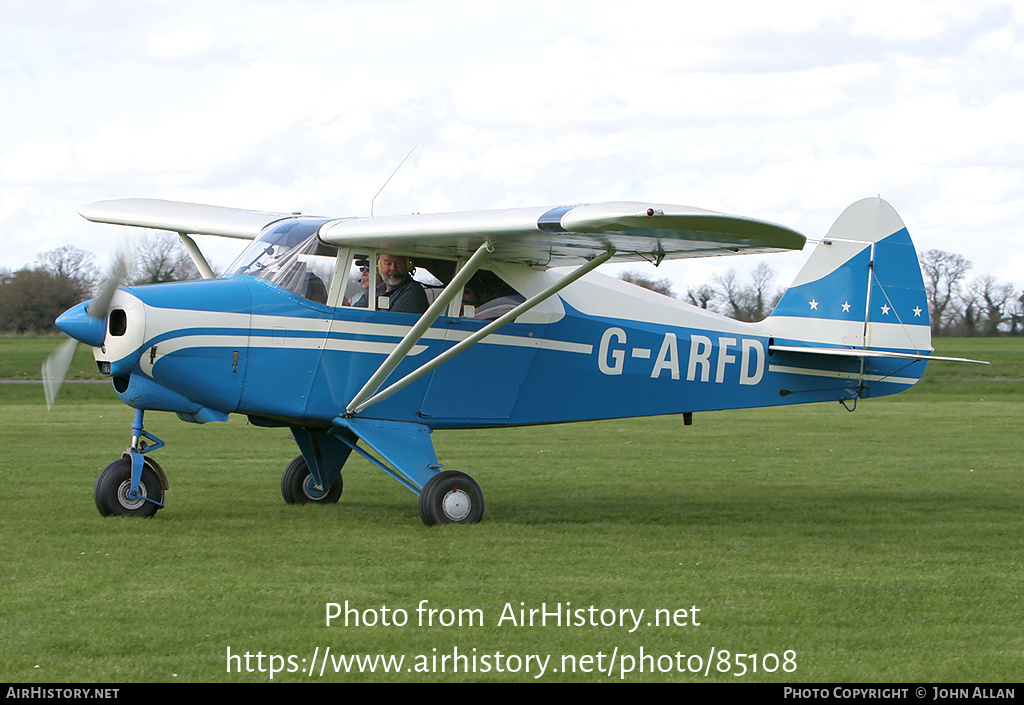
[(877, 546)]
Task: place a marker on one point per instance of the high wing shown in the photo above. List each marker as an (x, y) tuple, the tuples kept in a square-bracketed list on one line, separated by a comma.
[(189, 218), (540, 236), (567, 235)]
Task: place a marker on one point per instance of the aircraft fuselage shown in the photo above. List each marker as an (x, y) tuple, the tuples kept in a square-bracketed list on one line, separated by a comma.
[(209, 348)]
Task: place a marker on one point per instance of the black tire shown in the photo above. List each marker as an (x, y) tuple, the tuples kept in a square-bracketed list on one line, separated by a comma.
[(113, 484), (451, 497), (297, 485)]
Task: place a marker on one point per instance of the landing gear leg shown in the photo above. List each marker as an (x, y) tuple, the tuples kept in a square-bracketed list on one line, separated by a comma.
[(315, 476), (446, 497), (132, 485), (299, 487)]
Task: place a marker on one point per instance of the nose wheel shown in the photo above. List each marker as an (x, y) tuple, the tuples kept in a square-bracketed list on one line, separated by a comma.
[(114, 494), (133, 485)]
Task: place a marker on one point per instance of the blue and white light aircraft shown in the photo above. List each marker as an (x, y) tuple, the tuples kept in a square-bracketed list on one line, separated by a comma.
[(290, 336)]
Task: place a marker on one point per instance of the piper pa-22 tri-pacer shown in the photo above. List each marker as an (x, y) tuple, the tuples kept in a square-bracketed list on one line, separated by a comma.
[(514, 312)]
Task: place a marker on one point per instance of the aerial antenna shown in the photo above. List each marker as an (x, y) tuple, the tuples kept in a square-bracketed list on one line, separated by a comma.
[(392, 176)]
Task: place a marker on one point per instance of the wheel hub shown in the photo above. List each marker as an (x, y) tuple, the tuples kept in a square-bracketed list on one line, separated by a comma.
[(309, 489), (125, 498), (456, 504)]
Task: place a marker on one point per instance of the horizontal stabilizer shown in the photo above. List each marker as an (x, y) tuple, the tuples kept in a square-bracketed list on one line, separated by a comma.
[(861, 352)]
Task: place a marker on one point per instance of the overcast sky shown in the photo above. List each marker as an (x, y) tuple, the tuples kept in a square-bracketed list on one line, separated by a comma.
[(787, 111)]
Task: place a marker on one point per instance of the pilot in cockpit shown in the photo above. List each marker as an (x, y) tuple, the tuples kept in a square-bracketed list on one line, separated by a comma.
[(405, 294)]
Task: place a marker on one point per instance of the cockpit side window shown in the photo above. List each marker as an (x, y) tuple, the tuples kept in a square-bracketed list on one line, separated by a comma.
[(367, 285), (487, 297)]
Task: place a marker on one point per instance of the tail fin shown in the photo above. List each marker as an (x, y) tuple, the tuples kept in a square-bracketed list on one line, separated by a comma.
[(857, 311), (861, 288)]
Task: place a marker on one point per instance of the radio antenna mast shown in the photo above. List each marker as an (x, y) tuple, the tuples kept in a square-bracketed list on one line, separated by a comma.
[(392, 176)]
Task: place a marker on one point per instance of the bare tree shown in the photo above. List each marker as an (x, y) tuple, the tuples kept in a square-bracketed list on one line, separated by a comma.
[(747, 302), (1015, 314), (702, 296), (32, 297), (162, 258), (73, 264), (730, 292), (990, 300), (943, 275), (763, 300), (662, 286)]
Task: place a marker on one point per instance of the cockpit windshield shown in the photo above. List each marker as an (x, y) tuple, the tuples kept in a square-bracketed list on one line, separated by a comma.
[(291, 256)]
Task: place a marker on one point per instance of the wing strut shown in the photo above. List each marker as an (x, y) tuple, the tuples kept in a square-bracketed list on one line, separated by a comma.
[(425, 321), (197, 256), (356, 406)]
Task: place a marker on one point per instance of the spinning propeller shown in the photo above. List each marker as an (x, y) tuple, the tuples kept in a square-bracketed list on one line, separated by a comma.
[(85, 323)]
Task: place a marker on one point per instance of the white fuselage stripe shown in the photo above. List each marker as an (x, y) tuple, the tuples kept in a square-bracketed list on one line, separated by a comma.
[(827, 331)]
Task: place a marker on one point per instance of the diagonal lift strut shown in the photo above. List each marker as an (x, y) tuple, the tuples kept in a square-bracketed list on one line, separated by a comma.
[(366, 397)]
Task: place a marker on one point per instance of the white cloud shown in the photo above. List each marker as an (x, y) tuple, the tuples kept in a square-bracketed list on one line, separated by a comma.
[(37, 160), (787, 111), (189, 41)]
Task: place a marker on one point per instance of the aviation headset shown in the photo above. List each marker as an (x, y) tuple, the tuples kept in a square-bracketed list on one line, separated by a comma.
[(410, 268)]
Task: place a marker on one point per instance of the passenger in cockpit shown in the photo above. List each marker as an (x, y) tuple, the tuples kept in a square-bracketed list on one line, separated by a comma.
[(362, 299), (489, 297)]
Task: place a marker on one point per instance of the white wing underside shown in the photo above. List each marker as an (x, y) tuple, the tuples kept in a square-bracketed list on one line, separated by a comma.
[(541, 236), (178, 217)]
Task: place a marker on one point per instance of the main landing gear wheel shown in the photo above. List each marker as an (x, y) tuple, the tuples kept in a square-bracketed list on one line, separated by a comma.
[(451, 497), (113, 490), (298, 486)]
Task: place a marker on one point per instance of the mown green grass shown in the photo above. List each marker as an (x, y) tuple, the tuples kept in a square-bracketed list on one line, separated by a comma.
[(1004, 355), (881, 545), (22, 358)]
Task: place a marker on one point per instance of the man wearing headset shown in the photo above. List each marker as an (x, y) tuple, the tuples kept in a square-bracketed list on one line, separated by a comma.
[(405, 295)]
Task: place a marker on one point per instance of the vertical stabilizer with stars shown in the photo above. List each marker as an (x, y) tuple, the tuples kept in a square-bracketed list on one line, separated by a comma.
[(861, 288)]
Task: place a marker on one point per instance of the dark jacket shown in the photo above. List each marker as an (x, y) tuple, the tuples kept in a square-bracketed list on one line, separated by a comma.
[(407, 297)]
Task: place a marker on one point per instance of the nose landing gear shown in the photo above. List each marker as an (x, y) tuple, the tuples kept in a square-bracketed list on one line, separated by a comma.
[(132, 485)]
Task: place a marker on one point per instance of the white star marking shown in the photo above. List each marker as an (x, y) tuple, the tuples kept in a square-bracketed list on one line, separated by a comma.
[(885, 310), (846, 307), (814, 304), (917, 310)]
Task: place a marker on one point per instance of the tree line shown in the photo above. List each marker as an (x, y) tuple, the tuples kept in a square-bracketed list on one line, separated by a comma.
[(958, 304), (33, 296)]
